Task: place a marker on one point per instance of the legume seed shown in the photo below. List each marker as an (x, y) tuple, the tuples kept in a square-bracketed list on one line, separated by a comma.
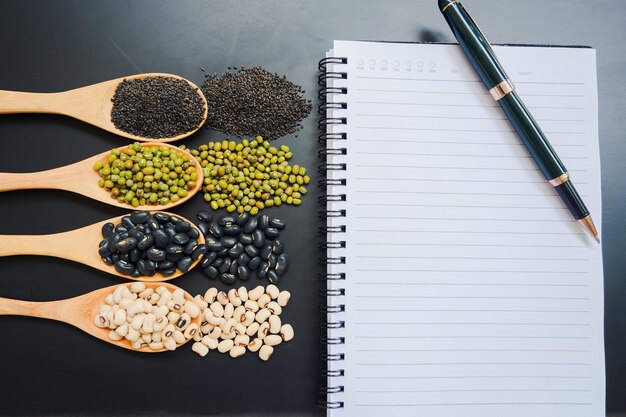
[(200, 348), (266, 352)]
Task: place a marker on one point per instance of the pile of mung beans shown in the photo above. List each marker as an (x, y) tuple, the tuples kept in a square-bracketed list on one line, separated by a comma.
[(148, 318), (147, 175), (250, 176), (242, 320)]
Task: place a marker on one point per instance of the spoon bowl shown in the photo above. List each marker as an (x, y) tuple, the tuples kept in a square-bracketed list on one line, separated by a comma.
[(91, 104), (80, 245), (81, 311), (81, 178)]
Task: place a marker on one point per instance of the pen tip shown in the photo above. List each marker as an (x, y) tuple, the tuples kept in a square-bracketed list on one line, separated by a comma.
[(587, 224)]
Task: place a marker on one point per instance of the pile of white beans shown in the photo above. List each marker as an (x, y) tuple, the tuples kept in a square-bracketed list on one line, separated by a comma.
[(242, 320), (148, 318)]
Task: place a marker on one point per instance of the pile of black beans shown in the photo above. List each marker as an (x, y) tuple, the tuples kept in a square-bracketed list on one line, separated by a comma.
[(243, 246), (143, 244)]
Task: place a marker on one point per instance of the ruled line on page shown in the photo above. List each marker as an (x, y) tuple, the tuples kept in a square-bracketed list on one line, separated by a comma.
[(483, 271), (483, 297), (477, 350), (459, 193), (460, 284), (480, 258), (457, 155), (467, 105), (413, 116), (478, 377), (392, 405), (472, 390), (460, 206), (466, 310), (568, 221), (495, 337), (468, 81), (485, 94), (438, 142), (488, 232), (472, 323), (459, 130), (382, 178)]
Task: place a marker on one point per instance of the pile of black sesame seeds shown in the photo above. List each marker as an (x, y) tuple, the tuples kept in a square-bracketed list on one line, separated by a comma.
[(253, 101), (157, 107)]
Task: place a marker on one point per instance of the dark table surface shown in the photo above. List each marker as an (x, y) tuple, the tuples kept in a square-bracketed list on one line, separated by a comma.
[(53, 45)]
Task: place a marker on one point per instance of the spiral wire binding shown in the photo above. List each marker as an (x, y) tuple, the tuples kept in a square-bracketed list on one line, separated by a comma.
[(329, 95)]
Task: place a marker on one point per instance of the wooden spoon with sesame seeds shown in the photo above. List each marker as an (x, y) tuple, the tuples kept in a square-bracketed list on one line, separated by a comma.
[(81, 178), (81, 245), (92, 104), (81, 312)]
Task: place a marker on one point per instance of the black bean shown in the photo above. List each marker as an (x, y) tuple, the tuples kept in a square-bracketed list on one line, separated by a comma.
[(271, 260), (204, 228), (190, 247), (243, 259), (226, 221), (150, 265), (136, 232), (271, 233), (127, 222), (120, 228), (236, 250), (175, 220), (243, 272), (218, 262), (161, 239), (184, 264), (174, 249), (134, 255), (170, 232), (107, 260), (168, 272), (208, 259), (251, 250), (204, 216), (153, 224), (232, 230), (282, 263), (242, 219), (162, 217), (255, 263), (272, 276), (193, 233), (107, 229), (228, 279), (216, 230), (258, 239), (141, 266), (115, 257), (139, 217), (229, 241), (156, 255), (265, 251), (145, 243), (135, 273), (180, 238), (246, 239), (262, 271), (165, 265), (104, 252), (225, 266), (104, 242), (182, 227), (233, 268), (198, 252), (250, 226), (124, 267), (124, 257), (211, 272), (126, 245), (223, 253), (277, 247), (277, 224), (214, 245), (264, 221), (175, 257)]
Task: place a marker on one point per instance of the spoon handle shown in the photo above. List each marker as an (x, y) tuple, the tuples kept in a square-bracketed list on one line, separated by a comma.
[(19, 102), (62, 178), (60, 245), (46, 310)]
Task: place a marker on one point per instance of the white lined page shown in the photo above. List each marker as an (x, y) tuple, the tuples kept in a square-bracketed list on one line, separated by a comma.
[(469, 288)]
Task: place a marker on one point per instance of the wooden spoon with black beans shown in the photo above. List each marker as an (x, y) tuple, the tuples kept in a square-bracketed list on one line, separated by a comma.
[(143, 107), (83, 312), (142, 246)]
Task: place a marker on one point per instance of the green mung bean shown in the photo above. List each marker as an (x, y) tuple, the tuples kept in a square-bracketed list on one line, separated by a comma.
[(249, 176), (146, 175)]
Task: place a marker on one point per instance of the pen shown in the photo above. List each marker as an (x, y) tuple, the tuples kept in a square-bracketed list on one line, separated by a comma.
[(486, 65)]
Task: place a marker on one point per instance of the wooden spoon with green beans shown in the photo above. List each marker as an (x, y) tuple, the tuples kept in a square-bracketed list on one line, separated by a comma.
[(83, 246), (84, 312), (113, 182), (94, 104)]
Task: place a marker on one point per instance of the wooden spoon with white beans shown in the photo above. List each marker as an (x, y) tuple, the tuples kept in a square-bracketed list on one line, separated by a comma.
[(82, 312), (92, 104), (82, 178), (82, 245)]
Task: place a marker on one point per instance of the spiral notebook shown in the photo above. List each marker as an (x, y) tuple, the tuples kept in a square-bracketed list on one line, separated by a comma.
[(457, 282)]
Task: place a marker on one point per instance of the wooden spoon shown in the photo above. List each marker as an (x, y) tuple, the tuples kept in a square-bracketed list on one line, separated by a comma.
[(91, 104), (80, 245), (81, 178), (81, 312)]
